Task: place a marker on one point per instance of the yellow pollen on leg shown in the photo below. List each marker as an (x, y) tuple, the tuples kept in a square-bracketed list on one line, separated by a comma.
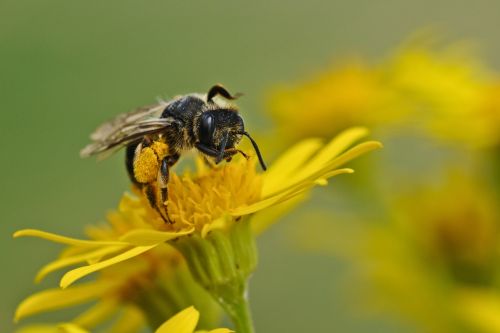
[(146, 166), (160, 148)]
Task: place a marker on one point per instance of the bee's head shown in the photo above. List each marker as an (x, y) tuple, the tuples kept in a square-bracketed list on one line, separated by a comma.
[(219, 133), (220, 128)]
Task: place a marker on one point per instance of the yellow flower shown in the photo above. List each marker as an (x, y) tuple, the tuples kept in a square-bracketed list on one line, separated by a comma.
[(211, 227), (183, 322), (143, 291), (479, 308), (444, 92), (455, 227), (337, 98), (212, 199), (436, 260)]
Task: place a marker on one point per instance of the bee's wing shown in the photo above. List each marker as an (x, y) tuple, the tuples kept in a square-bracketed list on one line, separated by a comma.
[(126, 128), (129, 118)]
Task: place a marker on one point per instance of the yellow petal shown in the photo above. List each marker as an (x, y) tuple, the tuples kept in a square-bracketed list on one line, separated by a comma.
[(71, 328), (73, 250), (148, 237), (286, 194), (261, 205), (336, 146), (96, 314), (354, 152), (294, 156), (288, 163), (299, 162), (271, 201), (217, 330), (52, 328), (319, 171), (54, 299), (80, 272), (68, 261), (39, 328), (183, 322), (324, 181), (130, 321), (219, 223), (264, 219), (62, 239)]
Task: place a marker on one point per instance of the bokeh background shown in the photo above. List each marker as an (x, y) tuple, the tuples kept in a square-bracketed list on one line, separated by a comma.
[(67, 66)]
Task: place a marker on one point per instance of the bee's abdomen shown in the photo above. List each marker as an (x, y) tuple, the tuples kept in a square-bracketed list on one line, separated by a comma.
[(129, 161)]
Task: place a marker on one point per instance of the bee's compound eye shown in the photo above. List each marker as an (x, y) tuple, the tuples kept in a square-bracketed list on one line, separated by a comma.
[(207, 128)]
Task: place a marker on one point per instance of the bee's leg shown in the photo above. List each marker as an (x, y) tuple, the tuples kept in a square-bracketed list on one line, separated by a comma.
[(132, 151), (150, 191), (163, 177), (206, 150), (207, 161), (228, 153), (143, 166)]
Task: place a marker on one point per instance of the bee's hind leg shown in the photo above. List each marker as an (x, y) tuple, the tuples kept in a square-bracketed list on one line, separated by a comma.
[(163, 177), (131, 152), (150, 191)]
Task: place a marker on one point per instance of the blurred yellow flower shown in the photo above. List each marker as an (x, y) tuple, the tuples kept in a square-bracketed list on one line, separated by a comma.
[(437, 259), (335, 99), (455, 227), (444, 92), (479, 308)]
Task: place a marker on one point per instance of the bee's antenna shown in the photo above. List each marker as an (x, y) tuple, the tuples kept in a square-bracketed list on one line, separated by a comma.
[(222, 148), (256, 148), (218, 89)]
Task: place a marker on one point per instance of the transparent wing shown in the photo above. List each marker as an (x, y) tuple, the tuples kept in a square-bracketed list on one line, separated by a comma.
[(125, 119), (126, 128)]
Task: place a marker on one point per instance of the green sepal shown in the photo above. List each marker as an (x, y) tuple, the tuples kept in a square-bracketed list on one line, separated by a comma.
[(221, 262), (173, 292)]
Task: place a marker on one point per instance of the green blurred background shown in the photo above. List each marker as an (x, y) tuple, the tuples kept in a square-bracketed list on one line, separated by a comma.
[(66, 66)]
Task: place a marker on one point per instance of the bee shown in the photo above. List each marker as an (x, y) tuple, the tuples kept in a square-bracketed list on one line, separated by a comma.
[(155, 137)]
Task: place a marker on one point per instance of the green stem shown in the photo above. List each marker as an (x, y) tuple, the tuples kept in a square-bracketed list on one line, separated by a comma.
[(241, 316), (221, 263), (232, 298), (173, 292)]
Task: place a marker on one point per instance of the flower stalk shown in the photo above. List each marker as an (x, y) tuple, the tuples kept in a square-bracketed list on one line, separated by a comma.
[(221, 262), (239, 311), (166, 296)]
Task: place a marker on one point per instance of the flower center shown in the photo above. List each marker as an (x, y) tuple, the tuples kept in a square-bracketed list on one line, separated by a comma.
[(213, 193)]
